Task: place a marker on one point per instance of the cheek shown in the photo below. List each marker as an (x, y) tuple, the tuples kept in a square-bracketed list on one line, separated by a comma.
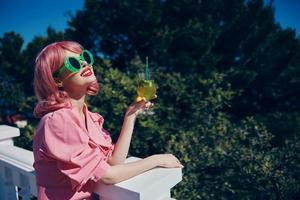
[(79, 80), (76, 78), (72, 80)]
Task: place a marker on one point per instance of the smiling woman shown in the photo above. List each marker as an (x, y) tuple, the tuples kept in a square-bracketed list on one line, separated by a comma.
[(71, 149)]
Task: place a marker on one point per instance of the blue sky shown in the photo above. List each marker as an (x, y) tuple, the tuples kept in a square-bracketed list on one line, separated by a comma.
[(32, 17), (287, 13)]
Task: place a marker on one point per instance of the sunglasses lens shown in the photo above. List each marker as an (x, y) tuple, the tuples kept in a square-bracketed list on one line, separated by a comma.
[(87, 57), (74, 62)]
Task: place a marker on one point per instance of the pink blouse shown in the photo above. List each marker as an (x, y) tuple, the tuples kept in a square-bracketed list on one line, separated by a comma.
[(70, 157)]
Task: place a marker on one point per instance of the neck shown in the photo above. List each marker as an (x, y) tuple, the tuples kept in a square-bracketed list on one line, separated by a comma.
[(78, 103)]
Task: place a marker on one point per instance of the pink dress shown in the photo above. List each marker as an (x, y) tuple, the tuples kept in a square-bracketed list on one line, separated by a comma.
[(70, 157)]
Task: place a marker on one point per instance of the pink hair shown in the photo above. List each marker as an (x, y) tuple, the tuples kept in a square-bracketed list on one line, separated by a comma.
[(50, 97)]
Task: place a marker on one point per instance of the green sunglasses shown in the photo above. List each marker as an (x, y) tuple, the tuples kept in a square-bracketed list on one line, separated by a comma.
[(74, 64)]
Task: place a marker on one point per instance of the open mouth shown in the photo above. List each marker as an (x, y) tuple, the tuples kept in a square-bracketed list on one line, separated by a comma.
[(86, 72)]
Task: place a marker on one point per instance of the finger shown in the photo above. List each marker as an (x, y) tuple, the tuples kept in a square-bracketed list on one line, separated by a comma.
[(154, 99), (143, 100), (179, 163), (176, 159), (137, 106), (138, 99), (181, 166), (148, 104)]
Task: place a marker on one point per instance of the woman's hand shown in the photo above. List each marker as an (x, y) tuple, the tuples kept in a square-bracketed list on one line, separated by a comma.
[(138, 107), (167, 161)]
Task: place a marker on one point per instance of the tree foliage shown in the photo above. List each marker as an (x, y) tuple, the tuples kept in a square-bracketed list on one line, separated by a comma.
[(223, 158), (239, 38)]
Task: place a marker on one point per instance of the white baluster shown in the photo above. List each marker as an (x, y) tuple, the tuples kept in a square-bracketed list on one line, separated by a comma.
[(25, 187), (10, 191), (7, 189)]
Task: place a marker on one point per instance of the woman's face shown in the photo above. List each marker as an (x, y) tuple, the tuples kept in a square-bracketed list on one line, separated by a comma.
[(80, 80)]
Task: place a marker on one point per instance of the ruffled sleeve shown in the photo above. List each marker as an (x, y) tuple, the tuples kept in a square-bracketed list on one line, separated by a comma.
[(76, 156), (98, 120)]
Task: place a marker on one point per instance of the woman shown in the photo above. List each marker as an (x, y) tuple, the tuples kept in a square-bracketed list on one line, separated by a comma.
[(71, 149)]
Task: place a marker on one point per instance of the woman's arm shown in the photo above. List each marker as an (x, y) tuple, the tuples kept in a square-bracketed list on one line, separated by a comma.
[(122, 145), (118, 173)]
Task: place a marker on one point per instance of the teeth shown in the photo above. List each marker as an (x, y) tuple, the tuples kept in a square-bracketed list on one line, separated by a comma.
[(86, 73)]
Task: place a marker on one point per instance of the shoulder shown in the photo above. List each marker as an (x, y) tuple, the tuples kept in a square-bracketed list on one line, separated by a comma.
[(57, 116), (56, 120), (52, 125)]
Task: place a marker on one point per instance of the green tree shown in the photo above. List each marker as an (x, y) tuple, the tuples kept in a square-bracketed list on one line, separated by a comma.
[(11, 89), (223, 158), (239, 38)]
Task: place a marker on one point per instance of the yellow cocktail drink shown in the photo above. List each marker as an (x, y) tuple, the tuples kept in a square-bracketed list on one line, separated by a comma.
[(146, 89)]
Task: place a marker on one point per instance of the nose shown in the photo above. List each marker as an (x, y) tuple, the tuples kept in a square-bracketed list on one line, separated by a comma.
[(84, 63)]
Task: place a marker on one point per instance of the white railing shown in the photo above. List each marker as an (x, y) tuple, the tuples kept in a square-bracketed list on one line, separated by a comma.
[(17, 176)]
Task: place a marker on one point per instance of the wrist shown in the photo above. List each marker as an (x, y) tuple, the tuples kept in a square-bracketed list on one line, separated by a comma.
[(130, 116), (155, 160)]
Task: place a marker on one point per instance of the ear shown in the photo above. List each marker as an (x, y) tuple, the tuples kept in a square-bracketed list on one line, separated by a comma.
[(59, 83)]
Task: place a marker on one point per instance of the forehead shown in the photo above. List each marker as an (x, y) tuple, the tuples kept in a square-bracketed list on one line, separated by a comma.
[(71, 54)]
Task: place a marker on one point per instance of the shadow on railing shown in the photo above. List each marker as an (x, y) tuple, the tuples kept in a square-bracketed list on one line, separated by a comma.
[(17, 176)]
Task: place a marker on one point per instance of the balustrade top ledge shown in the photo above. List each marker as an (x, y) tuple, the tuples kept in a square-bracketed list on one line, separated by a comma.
[(8, 132), (146, 186)]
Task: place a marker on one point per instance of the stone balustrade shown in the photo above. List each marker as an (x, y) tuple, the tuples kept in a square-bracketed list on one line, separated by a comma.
[(17, 176)]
